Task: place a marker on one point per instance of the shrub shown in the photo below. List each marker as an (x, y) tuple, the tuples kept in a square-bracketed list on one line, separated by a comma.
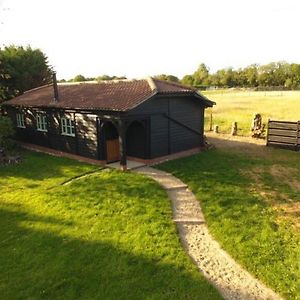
[(6, 132)]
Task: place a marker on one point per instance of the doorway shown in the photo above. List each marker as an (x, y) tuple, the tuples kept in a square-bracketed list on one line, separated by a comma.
[(111, 138)]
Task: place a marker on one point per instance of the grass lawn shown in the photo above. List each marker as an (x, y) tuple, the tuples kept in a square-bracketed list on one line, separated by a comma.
[(239, 106), (108, 235), (250, 198)]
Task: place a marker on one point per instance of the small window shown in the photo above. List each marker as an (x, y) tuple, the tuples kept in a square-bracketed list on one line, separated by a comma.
[(67, 127), (20, 121), (41, 122)]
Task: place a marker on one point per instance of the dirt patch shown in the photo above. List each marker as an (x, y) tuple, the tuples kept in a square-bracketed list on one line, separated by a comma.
[(287, 176), (274, 194), (285, 208), (228, 141)]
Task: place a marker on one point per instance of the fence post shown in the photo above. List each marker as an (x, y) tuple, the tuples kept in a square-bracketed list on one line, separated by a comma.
[(297, 135), (211, 121), (234, 128), (267, 137)]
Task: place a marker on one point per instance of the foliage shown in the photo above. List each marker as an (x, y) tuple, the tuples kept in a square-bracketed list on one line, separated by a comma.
[(22, 69), (245, 216), (6, 132), (240, 105), (166, 77), (107, 77), (274, 74), (200, 76), (108, 235), (78, 78), (187, 80)]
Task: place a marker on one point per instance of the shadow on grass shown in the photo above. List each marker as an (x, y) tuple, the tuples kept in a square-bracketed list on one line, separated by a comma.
[(39, 166), (41, 264)]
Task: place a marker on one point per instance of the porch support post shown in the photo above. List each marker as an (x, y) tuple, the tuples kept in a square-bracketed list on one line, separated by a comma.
[(122, 143)]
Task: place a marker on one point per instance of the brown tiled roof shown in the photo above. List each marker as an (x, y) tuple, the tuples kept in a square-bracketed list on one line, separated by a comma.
[(120, 95)]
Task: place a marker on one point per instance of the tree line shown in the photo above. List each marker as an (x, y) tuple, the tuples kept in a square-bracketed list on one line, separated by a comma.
[(80, 78), (280, 75), (24, 68)]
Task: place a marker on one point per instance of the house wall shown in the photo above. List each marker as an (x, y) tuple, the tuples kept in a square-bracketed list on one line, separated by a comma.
[(86, 125), (84, 143), (167, 136)]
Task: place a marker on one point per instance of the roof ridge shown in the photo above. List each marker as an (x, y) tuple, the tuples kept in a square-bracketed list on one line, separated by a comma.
[(152, 84), (175, 84), (38, 88)]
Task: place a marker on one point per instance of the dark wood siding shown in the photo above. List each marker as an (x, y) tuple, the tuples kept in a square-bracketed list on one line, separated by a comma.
[(86, 125), (169, 136), (30, 133), (56, 139), (189, 113), (158, 136)]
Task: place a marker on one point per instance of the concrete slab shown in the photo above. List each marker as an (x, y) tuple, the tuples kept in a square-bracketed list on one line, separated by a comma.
[(168, 181), (131, 165), (186, 208)]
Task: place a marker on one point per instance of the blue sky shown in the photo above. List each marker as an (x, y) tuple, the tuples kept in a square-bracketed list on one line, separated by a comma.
[(142, 38)]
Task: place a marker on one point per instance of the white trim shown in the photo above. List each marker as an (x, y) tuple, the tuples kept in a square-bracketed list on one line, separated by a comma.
[(20, 120), (41, 122), (67, 126)]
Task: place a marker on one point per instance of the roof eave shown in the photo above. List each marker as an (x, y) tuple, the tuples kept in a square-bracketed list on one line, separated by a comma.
[(207, 102)]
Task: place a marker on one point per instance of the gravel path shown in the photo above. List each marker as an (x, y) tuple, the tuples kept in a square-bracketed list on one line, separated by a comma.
[(218, 267)]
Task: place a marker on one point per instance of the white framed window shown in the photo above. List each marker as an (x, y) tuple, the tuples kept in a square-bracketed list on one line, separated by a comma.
[(20, 121), (41, 122), (67, 126)]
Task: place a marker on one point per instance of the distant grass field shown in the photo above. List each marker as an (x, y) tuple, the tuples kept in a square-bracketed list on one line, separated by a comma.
[(239, 106)]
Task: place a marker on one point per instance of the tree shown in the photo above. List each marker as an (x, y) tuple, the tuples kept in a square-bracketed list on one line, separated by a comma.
[(22, 69), (295, 75), (188, 80), (107, 77), (201, 75), (166, 77), (78, 78), (251, 75)]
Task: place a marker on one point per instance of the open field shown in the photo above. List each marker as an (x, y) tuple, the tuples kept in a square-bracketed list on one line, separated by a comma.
[(240, 106), (250, 198), (107, 235)]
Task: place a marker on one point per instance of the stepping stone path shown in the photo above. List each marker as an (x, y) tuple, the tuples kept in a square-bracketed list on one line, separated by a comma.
[(232, 281)]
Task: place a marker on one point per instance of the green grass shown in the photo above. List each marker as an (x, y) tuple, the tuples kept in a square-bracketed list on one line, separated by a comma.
[(108, 235), (253, 220), (239, 106)]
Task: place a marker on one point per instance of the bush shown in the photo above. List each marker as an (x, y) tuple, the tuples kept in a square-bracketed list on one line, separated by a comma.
[(6, 133)]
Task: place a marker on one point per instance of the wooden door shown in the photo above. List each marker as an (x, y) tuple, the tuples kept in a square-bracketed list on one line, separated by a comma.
[(112, 150)]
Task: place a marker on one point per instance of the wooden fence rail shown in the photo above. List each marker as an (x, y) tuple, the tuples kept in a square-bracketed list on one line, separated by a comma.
[(284, 134)]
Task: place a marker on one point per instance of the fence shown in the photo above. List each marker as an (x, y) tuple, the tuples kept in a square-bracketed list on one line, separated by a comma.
[(284, 134)]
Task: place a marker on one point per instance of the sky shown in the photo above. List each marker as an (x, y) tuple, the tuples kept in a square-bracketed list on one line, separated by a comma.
[(137, 38)]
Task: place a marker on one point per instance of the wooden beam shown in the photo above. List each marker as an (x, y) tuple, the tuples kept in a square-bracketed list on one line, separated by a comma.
[(183, 125), (122, 143)]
